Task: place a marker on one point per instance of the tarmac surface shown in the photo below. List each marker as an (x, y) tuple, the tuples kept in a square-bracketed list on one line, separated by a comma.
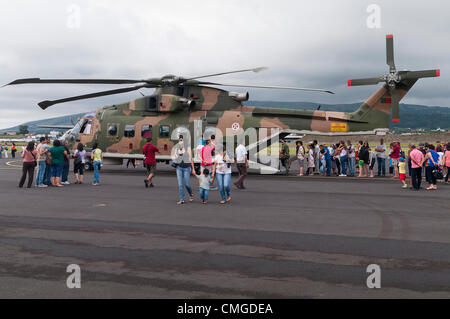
[(282, 237)]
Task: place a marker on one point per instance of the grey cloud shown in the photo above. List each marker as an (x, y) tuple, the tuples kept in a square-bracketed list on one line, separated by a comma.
[(305, 43)]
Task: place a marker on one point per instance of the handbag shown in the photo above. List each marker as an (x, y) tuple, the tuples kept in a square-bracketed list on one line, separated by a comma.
[(437, 173), (34, 162)]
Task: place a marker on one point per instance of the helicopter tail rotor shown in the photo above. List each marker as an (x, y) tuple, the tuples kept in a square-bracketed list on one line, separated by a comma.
[(394, 77)]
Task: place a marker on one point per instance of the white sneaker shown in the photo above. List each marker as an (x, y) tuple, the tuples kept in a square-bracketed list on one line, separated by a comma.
[(405, 186), (342, 175), (66, 183), (42, 185)]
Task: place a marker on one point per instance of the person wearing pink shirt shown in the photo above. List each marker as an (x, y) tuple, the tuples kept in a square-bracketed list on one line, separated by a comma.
[(206, 156), (416, 167), (29, 156)]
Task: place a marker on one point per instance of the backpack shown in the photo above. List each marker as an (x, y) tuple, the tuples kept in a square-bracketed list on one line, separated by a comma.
[(77, 159)]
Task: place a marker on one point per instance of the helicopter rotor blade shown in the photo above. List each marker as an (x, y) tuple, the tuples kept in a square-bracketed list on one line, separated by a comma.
[(394, 104), (46, 104), (367, 81), (73, 81), (421, 74), (256, 70), (268, 87), (390, 52)]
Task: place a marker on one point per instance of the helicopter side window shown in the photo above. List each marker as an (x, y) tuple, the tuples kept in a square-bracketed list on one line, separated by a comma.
[(112, 130), (164, 131), (179, 90), (146, 131), (128, 131)]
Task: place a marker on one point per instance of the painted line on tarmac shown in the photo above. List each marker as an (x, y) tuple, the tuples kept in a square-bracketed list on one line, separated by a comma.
[(9, 164)]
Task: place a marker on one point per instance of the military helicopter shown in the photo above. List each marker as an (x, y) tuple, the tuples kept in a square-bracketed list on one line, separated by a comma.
[(121, 130)]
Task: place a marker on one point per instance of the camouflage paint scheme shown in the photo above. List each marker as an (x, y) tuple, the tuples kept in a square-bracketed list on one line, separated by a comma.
[(216, 108)]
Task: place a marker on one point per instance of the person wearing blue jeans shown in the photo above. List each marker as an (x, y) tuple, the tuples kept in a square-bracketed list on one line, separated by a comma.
[(343, 160), (205, 183), (329, 164), (351, 165), (182, 159), (97, 165), (381, 162), (204, 194), (184, 177), (224, 186), (41, 173), (96, 157), (222, 172), (42, 150), (351, 161)]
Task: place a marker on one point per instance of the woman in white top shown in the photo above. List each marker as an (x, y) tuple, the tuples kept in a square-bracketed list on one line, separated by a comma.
[(300, 157), (343, 158), (311, 159), (222, 172)]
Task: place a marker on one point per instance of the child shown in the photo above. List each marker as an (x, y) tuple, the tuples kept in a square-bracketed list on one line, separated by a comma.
[(205, 182), (402, 171)]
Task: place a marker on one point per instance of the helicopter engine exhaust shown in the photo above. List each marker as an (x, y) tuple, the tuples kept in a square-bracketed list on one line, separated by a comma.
[(188, 103), (240, 97)]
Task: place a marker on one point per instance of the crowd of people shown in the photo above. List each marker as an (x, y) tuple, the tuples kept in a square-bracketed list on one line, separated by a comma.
[(4, 150), (345, 159), (341, 159), (215, 167), (53, 163)]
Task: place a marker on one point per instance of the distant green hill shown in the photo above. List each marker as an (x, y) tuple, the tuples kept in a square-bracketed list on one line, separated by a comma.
[(411, 115), (33, 125)]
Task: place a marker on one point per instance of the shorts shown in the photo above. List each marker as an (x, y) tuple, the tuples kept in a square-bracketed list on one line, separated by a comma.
[(78, 168), (151, 169), (361, 163), (394, 161), (56, 170), (301, 162), (402, 177)]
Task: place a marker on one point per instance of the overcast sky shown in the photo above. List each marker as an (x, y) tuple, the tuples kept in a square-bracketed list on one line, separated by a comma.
[(304, 43)]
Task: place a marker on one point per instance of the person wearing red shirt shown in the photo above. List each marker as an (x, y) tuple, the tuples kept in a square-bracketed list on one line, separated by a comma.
[(149, 151), (395, 155)]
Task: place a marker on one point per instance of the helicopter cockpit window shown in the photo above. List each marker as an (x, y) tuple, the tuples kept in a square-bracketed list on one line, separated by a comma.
[(86, 127), (77, 127), (128, 131), (164, 131), (146, 131), (112, 130)]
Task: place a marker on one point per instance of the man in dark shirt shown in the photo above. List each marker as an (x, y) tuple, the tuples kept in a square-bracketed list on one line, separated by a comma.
[(284, 156), (149, 151)]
